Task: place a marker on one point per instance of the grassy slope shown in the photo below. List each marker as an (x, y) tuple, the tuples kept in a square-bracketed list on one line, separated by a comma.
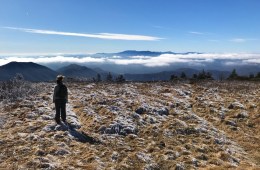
[(162, 142)]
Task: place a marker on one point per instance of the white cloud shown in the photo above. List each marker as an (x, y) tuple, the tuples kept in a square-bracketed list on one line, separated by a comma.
[(231, 56), (116, 56), (253, 61), (54, 59), (242, 40), (163, 60), (233, 63), (148, 61), (140, 57), (196, 33), (110, 36), (238, 40)]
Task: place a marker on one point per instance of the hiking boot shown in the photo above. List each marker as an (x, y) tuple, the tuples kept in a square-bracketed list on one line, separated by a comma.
[(58, 122)]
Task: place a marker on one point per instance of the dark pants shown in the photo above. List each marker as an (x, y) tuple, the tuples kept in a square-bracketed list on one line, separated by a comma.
[(60, 107)]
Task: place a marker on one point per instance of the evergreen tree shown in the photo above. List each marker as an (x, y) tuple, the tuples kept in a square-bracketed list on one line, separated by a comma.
[(120, 79), (251, 76), (202, 75), (173, 77), (98, 77), (209, 75), (109, 77), (195, 76), (183, 75), (233, 74), (258, 75)]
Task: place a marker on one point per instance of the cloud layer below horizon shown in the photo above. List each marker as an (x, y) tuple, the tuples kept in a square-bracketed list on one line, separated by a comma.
[(148, 61)]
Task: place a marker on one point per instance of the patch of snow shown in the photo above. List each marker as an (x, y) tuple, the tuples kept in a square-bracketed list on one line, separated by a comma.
[(61, 152), (144, 157), (236, 105)]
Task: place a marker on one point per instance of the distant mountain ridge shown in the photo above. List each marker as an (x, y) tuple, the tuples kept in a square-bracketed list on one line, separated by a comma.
[(165, 75), (36, 72), (114, 62), (30, 71), (74, 70), (128, 53), (79, 71)]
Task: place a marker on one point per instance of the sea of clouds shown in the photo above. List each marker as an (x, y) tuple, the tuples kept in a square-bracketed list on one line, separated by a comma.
[(148, 61)]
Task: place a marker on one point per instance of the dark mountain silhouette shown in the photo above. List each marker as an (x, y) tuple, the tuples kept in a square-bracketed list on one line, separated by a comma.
[(100, 71), (129, 53), (141, 53), (30, 71), (104, 73), (219, 75), (74, 70), (247, 69), (165, 75)]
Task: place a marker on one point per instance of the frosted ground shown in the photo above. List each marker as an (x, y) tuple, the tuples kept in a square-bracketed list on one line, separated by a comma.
[(136, 126)]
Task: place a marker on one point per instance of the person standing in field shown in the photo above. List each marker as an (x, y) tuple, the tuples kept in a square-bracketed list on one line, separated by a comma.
[(60, 98)]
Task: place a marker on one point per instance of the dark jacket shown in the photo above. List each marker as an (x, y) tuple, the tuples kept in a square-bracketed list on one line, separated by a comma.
[(60, 93)]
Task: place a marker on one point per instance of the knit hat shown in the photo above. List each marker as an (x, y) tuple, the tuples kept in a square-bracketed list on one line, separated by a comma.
[(60, 77)]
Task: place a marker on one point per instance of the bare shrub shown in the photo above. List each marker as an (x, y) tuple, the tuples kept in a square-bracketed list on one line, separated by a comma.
[(17, 89)]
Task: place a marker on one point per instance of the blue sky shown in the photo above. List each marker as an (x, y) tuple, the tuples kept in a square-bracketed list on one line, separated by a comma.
[(89, 26)]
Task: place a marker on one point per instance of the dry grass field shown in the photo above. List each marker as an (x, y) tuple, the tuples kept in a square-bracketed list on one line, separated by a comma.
[(160, 125)]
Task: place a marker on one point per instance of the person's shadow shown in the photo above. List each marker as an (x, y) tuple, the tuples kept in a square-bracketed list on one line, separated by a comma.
[(79, 135)]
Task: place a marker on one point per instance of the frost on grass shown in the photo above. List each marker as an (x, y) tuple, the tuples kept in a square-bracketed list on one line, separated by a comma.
[(18, 89), (140, 126)]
